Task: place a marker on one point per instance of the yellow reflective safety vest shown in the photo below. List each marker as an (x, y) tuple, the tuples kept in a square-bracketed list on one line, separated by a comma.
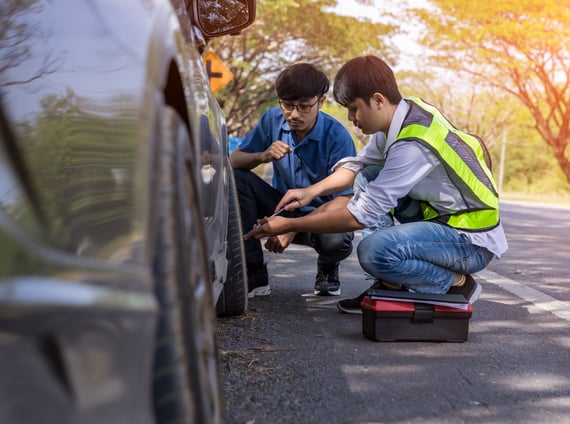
[(466, 161)]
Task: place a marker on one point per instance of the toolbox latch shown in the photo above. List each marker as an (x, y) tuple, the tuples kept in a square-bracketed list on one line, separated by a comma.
[(424, 312)]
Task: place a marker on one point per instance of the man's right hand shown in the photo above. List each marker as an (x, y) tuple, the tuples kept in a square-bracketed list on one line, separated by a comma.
[(276, 151), (295, 198)]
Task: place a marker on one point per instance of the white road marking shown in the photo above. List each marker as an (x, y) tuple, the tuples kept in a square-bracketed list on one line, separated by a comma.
[(543, 301)]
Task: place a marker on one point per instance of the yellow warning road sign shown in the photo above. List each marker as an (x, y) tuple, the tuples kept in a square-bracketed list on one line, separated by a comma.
[(218, 73)]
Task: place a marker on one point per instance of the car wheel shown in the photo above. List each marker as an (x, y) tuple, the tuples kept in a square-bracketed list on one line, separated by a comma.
[(233, 299), (187, 385)]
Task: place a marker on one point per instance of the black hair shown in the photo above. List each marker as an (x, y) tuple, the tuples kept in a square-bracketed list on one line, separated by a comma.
[(301, 81), (363, 76)]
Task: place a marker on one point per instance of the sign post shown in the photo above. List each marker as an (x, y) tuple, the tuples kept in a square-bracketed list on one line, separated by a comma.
[(218, 73)]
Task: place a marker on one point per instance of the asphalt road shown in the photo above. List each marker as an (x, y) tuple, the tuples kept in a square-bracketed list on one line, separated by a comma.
[(295, 359)]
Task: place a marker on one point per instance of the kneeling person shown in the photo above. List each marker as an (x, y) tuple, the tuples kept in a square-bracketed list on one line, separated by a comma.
[(302, 144)]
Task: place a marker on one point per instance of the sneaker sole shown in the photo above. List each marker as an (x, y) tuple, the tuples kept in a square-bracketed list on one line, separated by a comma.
[(476, 293), (260, 291), (327, 292), (352, 311)]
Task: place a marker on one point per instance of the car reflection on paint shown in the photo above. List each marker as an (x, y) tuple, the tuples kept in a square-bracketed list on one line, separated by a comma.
[(120, 235)]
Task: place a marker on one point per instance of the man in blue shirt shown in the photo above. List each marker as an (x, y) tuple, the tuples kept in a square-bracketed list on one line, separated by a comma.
[(302, 143)]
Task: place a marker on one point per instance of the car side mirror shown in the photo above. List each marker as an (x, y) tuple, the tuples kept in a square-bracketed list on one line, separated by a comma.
[(221, 17)]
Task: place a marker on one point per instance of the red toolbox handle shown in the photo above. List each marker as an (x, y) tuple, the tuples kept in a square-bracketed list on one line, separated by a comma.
[(423, 313)]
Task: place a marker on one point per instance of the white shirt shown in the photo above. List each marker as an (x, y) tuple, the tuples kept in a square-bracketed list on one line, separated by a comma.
[(410, 169)]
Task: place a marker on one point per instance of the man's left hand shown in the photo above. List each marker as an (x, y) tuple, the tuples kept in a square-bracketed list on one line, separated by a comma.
[(268, 227), (277, 244)]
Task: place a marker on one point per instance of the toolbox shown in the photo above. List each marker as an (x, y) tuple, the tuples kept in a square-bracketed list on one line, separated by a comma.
[(405, 316)]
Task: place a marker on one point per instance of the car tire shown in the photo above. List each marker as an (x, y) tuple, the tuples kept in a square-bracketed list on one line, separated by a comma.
[(233, 298), (186, 383)]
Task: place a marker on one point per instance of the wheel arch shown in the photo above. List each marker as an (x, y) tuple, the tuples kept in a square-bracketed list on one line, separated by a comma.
[(174, 93)]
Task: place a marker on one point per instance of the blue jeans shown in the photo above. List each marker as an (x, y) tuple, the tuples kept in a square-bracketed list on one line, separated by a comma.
[(423, 256)]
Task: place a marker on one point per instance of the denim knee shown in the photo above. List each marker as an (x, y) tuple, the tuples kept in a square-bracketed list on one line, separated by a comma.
[(373, 254)]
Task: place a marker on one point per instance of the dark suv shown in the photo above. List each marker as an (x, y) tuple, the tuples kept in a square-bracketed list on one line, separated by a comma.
[(120, 235)]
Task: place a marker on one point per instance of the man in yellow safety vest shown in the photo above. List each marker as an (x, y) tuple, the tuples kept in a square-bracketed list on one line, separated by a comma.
[(417, 169)]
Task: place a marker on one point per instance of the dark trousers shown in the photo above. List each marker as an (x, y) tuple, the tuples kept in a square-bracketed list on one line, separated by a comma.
[(257, 199)]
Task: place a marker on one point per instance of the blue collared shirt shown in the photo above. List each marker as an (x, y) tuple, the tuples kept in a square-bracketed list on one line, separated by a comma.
[(313, 157)]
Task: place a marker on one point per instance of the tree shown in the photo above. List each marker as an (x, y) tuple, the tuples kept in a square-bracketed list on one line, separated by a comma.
[(17, 35), (466, 105), (519, 46), (285, 32)]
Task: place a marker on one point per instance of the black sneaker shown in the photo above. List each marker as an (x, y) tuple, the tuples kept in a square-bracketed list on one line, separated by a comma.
[(352, 306), (327, 282), (257, 280), (470, 290)]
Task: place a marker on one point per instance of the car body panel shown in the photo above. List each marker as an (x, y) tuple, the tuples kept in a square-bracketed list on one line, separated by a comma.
[(82, 86), (104, 113)]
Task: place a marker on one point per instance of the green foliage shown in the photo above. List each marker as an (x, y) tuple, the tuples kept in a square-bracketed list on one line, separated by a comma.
[(286, 32), (341, 114), (499, 70), (503, 123), (521, 47), (530, 168)]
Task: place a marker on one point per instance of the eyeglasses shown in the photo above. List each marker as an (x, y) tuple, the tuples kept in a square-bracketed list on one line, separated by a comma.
[(302, 108)]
